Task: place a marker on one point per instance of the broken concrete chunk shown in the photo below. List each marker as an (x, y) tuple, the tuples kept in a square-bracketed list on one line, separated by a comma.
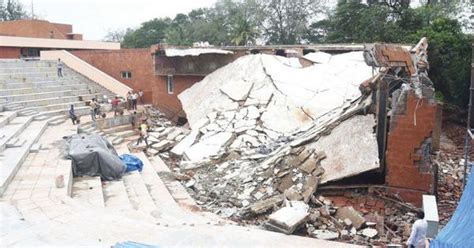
[(285, 183), (309, 165), (309, 187), (305, 155), (324, 210), (287, 219), (325, 234), (237, 90), (369, 232), (162, 145), (261, 207), (209, 147), (318, 171), (293, 195), (347, 222), (351, 214)]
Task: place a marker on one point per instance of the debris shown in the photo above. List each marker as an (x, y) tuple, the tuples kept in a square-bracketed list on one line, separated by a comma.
[(265, 205), (325, 234), (351, 214), (287, 219), (369, 232)]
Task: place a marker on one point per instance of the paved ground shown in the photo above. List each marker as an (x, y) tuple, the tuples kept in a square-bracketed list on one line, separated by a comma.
[(36, 213)]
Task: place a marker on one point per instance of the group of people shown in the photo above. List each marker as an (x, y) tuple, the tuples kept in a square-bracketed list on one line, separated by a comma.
[(132, 98)]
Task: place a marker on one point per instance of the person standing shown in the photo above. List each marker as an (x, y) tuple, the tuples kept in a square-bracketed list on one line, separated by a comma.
[(143, 129), (60, 66), (418, 232), (129, 100), (93, 107), (115, 104), (134, 100), (133, 118), (72, 115), (142, 98)]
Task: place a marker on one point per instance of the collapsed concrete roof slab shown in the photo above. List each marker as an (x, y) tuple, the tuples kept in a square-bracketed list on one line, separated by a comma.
[(172, 52), (298, 95), (351, 149)]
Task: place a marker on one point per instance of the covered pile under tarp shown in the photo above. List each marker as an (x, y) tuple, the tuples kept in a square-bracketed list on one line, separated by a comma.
[(460, 230), (93, 155)]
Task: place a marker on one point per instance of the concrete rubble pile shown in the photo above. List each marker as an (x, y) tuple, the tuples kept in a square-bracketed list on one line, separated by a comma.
[(162, 136), (265, 132), (264, 129)]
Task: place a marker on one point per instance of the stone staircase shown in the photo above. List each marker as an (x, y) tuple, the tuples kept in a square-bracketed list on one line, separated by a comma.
[(43, 205), (31, 98)]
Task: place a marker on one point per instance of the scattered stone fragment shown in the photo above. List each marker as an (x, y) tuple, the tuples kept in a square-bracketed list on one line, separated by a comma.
[(261, 207), (325, 234), (351, 214), (310, 187), (369, 232), (287, 219), (293, 195), (347, 222)]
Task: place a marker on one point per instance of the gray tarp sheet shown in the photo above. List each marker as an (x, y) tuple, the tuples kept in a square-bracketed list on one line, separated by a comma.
[(93, 155)]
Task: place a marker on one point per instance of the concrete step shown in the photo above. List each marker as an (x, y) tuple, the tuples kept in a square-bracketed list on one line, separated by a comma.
[(57, 120), (51, 101), (59, 106), (37, 84), (88, 190), (118, 129), (22, 91), (138, 194), (116, 140), (174, 204), (14, 157), (176, 189), (27, 112), (12, 106), (27, 69), (115, 195), (44, 95), (13, 129), (126, 134), (35, 148), (6, 117), (79, 108), (18, 63), (15, 142)]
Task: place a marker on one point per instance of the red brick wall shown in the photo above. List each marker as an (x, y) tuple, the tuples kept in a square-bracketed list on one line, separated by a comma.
[(140, 63), (34, 29), (10, 52), (404, 138)]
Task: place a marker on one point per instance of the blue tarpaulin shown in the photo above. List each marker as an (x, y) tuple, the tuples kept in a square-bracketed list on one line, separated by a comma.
[(131, 244), (459, 232), (133, 163)]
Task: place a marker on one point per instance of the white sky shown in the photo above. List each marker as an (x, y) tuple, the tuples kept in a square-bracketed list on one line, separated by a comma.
[(94, 18)]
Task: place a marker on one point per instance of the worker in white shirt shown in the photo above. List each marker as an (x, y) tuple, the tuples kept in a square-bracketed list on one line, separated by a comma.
[(418, 232)]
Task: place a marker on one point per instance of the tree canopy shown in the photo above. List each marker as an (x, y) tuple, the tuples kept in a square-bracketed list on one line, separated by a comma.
[(244, 22), (11, 10)]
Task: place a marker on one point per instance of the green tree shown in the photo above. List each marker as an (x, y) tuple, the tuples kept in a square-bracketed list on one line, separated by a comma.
[(12, 10), (449, 48), (449, 54), (287, 21), (149, 33)]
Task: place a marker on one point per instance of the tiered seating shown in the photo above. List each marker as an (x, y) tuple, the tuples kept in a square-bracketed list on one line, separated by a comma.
[(31, 97)]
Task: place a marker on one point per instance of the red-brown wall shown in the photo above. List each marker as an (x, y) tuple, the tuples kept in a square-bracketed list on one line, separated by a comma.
[(407, 133), (10, 52), (140, 63), (35, 29)]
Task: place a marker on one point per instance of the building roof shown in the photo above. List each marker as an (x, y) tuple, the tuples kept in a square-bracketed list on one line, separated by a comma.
[(36, 29)]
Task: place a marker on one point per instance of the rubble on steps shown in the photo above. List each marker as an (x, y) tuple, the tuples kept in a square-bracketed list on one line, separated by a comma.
[(253, 136), (264, 133)]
